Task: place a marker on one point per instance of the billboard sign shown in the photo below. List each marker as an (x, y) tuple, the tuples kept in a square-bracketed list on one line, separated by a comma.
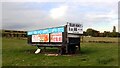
[(56, 37), (46, 31), (75, 28), (40, 38)]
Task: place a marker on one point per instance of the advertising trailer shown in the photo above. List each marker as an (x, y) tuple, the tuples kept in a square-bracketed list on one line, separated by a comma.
[(67, 37)]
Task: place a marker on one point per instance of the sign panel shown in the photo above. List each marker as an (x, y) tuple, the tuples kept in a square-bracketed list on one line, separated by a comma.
[(40, 38), (56, 37), (74, 28), (35, 38), (46, 31)]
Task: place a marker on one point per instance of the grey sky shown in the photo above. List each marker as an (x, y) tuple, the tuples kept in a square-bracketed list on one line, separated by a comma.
[(100, 15)]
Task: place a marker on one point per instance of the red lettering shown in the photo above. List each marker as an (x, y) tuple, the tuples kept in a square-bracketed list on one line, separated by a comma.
[(60, 39), (56, 39)]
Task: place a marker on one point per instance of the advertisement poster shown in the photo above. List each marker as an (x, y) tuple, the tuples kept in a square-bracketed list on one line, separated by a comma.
[(35, 38), (56, 37), (40, 38)]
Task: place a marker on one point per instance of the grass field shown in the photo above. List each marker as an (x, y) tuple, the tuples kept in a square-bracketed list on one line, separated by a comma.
[(19, 53), (106, 39)]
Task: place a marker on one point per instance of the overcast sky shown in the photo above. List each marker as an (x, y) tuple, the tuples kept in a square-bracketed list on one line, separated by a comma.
[(101, 15)]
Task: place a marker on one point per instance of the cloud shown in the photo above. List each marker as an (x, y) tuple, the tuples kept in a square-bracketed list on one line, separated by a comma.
[(91, 14), (59, 12), (21, 19), (102, 21), (16, 18)]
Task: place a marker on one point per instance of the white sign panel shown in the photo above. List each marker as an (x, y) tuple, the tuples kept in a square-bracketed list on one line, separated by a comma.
[(56, 37), (74, 28), (35, 38)]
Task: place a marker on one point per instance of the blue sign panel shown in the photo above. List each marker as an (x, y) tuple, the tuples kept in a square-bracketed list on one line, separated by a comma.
[(46, 31)]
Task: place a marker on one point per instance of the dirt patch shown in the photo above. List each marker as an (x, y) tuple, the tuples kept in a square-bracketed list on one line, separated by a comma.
[(51, 54)]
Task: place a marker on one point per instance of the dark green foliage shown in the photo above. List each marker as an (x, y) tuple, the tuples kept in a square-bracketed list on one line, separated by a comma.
[(95, 33), (91, 32)]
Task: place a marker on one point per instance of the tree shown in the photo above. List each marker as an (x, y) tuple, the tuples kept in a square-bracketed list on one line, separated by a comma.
[(115, 34), (89, 32), (84, 33), (92, 32), (114, 29), (107, 34)]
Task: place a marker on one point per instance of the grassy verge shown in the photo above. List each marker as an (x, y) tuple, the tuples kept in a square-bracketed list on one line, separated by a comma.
[(18, 53)]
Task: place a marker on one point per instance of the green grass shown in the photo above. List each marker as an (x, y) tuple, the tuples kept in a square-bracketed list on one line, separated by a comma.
[(0, 51), (107, 39), (19, 53)]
